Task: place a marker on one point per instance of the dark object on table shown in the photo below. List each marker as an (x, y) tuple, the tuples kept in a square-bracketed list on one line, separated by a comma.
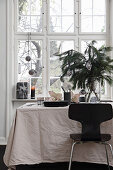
[(106, 100), (67, 96), (83, 92), (90, 116), (33, 92), (22, 90), (55, 103), (82, 99), (40, 100)]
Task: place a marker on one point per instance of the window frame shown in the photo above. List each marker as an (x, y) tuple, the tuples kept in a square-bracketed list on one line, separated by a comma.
[(95, 33), (62, 33), (16, 20), (46, 36)]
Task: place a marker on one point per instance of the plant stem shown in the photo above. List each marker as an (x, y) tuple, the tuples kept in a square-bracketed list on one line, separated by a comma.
[(96, 96), (89, 96)]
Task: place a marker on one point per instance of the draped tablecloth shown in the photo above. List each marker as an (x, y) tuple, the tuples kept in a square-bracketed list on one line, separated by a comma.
[(42, 134)]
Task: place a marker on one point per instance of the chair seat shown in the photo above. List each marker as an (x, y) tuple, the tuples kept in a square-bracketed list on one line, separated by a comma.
[(78, 137)]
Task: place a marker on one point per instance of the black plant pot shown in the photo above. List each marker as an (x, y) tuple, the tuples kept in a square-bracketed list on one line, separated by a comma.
[(67, 96)]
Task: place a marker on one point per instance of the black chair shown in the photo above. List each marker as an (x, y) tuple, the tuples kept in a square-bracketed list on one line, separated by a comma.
[(90, 116)]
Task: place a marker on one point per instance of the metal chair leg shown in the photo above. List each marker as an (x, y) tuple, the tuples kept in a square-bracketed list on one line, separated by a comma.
[(107, 156), (71, 156), (111, 149)]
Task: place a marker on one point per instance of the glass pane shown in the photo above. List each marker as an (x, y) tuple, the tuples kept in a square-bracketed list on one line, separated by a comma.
[(36, 7), (99, 24), (55, 24), (36, 24), (37, 82), (55, 7), (67, 45), (55, 85), (67, 24), (29, 16), (99, 7), (64, 24), (58, 7), (86, 7), (55, 70), (31, 60), (93, 16), (55, 47), (84, 43), (67, 7), (24, 7), (24, 24), (59, 46), (61, 16), (86, 24)]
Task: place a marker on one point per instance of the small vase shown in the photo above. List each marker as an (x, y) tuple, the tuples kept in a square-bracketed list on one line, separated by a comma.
[(92, 91), (92, 96)]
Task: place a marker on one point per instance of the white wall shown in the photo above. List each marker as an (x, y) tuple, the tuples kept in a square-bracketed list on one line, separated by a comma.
[(111, 33), (3, 62), (111, 22), (2, 68)]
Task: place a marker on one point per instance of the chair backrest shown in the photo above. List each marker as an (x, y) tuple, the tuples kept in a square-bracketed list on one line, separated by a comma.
[(90, 115)]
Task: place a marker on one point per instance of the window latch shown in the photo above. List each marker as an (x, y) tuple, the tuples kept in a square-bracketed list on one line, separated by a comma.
[(77, 26)]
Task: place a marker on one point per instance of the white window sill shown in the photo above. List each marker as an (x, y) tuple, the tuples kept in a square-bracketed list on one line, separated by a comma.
[(24, 100)]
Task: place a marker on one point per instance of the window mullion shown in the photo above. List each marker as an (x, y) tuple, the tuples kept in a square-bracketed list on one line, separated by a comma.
[(92, 15), (45, 44)]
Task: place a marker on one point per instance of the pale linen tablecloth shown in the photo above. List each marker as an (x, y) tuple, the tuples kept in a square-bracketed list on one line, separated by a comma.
[(42, 134)]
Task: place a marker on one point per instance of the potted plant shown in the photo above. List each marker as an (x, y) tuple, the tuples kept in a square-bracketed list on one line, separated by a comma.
[(84, 70)]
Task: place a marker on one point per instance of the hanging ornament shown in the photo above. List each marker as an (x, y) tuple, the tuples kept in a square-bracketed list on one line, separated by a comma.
[(88, 65), (28, 58), (69, 72), (31, 72), (19, 68)]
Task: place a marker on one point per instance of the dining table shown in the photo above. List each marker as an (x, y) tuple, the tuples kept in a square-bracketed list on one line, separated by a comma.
[(41, 134)]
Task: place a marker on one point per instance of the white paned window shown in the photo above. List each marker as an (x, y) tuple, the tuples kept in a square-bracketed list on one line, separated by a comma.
[(93, 16), (61, 16), (29, 16), (54, 26)]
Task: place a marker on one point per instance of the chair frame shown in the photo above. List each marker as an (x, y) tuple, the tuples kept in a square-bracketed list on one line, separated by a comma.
[(81, 142), (99, 142)]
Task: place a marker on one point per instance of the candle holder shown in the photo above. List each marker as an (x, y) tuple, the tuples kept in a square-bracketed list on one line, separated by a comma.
[(33, 92)]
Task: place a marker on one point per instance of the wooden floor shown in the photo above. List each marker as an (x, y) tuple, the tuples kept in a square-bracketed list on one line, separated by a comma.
[(54, 166), (2, 166), (64, 166)]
